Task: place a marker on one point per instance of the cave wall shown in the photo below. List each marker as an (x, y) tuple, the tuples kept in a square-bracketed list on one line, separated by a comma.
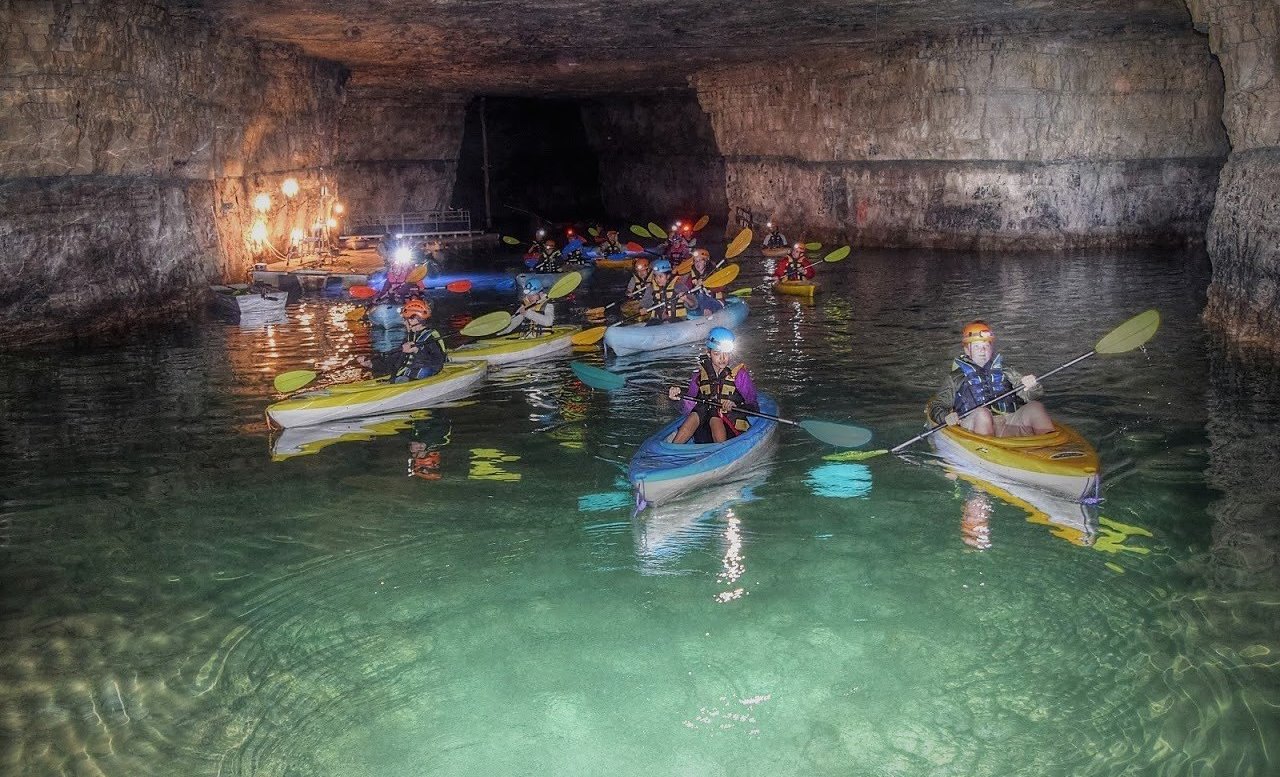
[(658, 157), (978, 141), (131, 140), (1244, 232)]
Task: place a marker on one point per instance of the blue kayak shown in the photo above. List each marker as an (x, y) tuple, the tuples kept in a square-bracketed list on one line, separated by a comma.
[(661, 470), (386, 315)]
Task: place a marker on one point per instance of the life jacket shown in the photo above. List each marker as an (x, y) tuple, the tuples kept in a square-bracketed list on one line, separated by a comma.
[(723, 386), (640, 282), (537, 329), (981, 384), (421, 340), (795, 270), (548, 261), (775, 240), (678, 247), (607, 249), (700, 277), (670, 305)]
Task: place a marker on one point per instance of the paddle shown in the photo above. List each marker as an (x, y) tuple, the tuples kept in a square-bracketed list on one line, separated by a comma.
[(416, 274), (813, 246), (738, 244), (640, 231), (368, 292), (511, 241), (839, 435), (593, 232), (635, 247), (715, 280), (1129, 335), (835, 256), (700, 223), (657, 231)]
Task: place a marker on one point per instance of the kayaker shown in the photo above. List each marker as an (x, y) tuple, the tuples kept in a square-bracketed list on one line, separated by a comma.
[(796, 266), (536, 314), (535, 247), (639, 279), (423, 349), (548, 257), (678, 245), (611, 245), (723, 384), (706, 300), (775, 238), (980, 375), (666, 296)]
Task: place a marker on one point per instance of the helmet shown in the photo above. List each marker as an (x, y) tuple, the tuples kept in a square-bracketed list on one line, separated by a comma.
[(662, 266), (702, 252), (532, 286), (977, 331), (799, 248), (642, 262), (416, 308), (611, 232), (720, 339)]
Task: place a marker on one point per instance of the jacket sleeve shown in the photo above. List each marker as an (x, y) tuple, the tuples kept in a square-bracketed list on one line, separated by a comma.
[(747, 388), (433, 356), (943, 402), (1015, 380)]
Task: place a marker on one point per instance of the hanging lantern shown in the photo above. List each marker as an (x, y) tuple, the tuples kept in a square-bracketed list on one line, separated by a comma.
[(289, 187), (258, 232), (262, 202)]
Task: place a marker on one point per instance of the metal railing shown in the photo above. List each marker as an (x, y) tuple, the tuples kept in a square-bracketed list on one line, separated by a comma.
[(744, 217), (432, 223)]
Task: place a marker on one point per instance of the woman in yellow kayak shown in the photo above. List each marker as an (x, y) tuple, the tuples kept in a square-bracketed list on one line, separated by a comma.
[(981, 375)]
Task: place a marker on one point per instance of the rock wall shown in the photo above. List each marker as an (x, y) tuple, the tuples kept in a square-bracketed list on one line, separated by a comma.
[(658, 157), (131, 141), (1244, 233), (978, 141)]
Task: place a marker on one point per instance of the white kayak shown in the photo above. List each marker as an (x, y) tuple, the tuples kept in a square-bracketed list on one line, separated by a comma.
[(376, 397), (516, 347), (633, 338)]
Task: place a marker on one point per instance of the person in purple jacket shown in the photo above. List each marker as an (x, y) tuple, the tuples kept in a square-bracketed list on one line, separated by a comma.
[(721, 386)]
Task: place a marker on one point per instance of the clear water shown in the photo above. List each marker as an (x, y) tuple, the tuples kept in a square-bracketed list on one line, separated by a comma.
[(176, 602)]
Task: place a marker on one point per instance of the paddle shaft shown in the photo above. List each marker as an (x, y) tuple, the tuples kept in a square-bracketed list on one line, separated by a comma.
[(991, 401), (714, 403)]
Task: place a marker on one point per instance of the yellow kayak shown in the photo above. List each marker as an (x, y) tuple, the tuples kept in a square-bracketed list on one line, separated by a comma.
[(1061, 462), (516, 347), (797, 288), (375, 397), (616, 264), (779, 251)]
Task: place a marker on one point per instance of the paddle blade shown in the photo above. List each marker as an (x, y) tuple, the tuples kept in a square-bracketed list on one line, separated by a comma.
[(509, 240), (657, 231), (684, 267), (1130, 334), (596, 377), (839, 435), (813, 246), (722, 277), (459, 287), (292, 381), (416, 274), (635, 248), (855, 455), (589, 336), (738, 244), (639, 231), (837, 254), (593, 232), (354, 314), (740, 293), (363, 292), (565, 285), (487, 324), (700, 223)]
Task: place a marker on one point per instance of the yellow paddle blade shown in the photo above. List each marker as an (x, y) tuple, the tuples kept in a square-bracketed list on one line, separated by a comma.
[(354, 314), (565, 285), (593, 232), (738, 244), (487, 324), (657, 231), (700, 223), (589, 336), (416, 274), (509, 240), (722, 277), (684, 267), (740, 293), (837, 254), (639, 231), (813, 246), (292, 381), (1130, 334)]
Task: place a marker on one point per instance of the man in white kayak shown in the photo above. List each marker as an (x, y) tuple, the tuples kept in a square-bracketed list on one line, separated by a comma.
[(723, 384), (981, 375), (537, 314)]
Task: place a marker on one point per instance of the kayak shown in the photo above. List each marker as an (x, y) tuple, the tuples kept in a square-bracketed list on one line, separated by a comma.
[(797, 288), (549, 278), (516, 347), (633, 338), (1060, 462), (375, 397), (661, 471), (386, 316), (666, 532), (238, 300), (616, 262), (779, 251)]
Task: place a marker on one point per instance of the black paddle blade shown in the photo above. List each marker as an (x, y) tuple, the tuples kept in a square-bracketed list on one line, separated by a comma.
[(839, 435)]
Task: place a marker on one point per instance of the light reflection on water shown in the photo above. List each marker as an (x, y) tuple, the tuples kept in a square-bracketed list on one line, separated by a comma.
[(176, 602)]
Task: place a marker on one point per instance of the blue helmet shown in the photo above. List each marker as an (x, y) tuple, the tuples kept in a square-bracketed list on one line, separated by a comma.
[(662, 266), (720, 339), (532, 286)]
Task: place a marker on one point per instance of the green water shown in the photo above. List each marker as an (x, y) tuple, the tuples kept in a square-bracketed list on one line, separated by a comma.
[(175, 602)]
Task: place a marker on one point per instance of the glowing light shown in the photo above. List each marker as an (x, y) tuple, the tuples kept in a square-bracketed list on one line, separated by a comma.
[(258, 231), (332, 223), (404, 255), (289, 187), (338, 208), (262, 202), (296, 235), (316, 227)]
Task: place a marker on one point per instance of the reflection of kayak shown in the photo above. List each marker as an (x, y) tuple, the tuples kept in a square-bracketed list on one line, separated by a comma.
[(549, 278), (665, 532), (516, 347), (797, 288), (616, 262), (661, 470), (779, 251), (305, 440), (375, 397), (1070, 520), (386, 316), (1061, 462), (640, 337)]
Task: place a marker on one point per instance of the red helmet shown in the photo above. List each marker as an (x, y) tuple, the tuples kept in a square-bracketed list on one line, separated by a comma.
[(416, 308)]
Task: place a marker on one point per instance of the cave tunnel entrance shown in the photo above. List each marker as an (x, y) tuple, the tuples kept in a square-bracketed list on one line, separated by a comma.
[(540, 162)]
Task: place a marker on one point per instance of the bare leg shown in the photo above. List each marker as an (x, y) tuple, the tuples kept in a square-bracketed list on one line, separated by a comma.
[(686, 429), (718, 432), (980, 422), (1030, 419)]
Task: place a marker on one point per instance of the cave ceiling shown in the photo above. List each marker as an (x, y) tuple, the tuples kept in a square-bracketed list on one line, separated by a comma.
[(572, 48)]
